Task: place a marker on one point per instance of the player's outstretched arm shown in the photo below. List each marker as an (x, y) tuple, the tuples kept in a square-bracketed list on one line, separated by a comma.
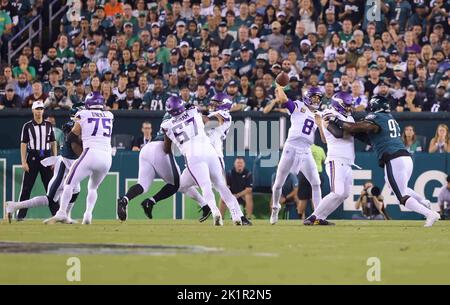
[(212, 121), (358, 127), (167, 144), (318, 120)]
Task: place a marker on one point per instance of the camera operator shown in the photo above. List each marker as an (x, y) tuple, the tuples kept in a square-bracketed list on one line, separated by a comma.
[(371, 203)]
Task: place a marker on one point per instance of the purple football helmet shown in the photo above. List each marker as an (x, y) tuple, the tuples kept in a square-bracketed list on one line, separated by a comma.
[(313, 97), (342, 102), (94, 100), (175, 105), (221, 101)]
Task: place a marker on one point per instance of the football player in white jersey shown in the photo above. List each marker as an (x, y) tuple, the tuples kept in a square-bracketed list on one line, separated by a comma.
[(297, 154), (95, 125), (340, 158), (153, 160), (187, 130), (217, 125)]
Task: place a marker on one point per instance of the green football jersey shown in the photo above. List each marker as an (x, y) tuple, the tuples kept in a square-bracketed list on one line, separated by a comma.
[(160, 135), (388, 139)]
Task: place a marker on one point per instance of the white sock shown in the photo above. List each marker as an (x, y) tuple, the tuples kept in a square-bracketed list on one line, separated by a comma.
[(230, 201), (316, 195), (413, 194), (91, 200), (328, 205), (276, 195), (69, 209), (65, 200), (31, 203), (194, 194), (415, 206)]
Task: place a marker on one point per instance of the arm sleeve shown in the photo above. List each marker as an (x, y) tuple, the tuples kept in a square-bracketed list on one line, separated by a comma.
[(290, 105), (52, 134), (337, 132)]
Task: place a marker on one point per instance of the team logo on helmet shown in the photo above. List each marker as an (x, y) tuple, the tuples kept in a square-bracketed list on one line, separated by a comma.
[(175, 105)]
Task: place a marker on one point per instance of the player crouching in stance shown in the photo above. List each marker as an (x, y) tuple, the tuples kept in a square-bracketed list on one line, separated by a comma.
[(95, 127), (384, 134), (297, 154), (69, 152), (340, 157), (153, 160)]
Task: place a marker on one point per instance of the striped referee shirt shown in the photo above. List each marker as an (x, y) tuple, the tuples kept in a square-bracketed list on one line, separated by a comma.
[(38, 137)]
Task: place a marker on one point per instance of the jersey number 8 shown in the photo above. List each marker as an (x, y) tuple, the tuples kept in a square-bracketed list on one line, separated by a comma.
[(308, 126)]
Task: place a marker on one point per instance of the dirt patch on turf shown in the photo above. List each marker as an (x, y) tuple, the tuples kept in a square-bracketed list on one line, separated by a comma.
[(101, 249)]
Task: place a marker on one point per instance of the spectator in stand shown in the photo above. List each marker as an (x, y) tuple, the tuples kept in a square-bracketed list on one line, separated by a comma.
[(409, 139), (259, 99), (24, 68), (145, 138), (10, 99), (57, 100), (440, 102), (441, 141), (113, 7), (359, 99), (23, 87), (37, 95), (409, 102), (257, 40)]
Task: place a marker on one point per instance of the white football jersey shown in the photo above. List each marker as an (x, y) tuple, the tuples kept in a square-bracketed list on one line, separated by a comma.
[(187, 131), (303, 127), (218, 134), (96, 128), (340, 148)]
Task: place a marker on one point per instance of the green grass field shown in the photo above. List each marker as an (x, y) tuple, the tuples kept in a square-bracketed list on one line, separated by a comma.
[(287, 253)]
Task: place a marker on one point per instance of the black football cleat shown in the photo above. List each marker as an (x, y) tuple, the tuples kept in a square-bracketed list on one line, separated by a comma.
[(323, 222), (122, 209), (245, 221), (147, 205), (206, 212), (309, 221)]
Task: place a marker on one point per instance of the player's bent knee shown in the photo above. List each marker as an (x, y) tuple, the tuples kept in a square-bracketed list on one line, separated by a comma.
[(404, 199)]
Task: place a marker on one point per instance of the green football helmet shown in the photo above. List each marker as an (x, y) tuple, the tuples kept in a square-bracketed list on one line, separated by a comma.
[(75, 108), (379, 103)]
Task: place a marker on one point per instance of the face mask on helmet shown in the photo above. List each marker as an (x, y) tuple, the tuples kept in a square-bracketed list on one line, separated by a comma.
[(313, 98), (221, 101)]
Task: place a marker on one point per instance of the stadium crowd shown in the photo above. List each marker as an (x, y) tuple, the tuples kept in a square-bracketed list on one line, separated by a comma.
[(137, 53)]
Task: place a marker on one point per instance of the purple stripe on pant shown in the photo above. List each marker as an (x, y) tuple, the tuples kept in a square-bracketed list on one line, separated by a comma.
[(69, 179)]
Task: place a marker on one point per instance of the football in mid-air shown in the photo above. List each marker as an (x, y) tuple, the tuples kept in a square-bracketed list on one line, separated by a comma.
[(282, 79)]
